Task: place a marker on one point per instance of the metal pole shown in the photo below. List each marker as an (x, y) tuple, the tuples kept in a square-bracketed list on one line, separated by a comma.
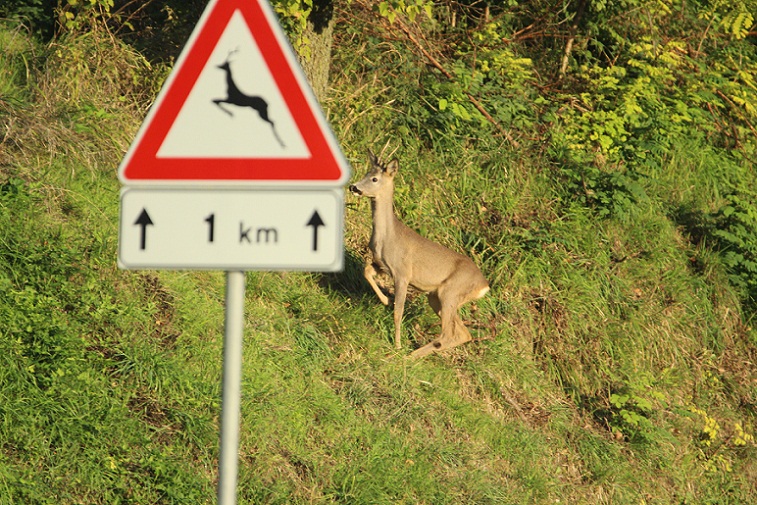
[(232, 389)]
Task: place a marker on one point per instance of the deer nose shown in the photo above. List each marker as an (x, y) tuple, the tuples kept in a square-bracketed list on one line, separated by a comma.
[(355, 190)]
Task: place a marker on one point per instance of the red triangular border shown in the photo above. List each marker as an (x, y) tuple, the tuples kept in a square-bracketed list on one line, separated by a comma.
[(142, 165)]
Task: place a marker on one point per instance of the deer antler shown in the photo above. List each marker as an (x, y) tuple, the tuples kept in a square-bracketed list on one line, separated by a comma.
[(384, 149), (228, 57)]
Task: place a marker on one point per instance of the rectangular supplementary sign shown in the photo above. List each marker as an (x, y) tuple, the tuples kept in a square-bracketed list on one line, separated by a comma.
[(198, 229)]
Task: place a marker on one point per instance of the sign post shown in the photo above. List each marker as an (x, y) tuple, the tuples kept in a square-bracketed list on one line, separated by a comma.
[(231, 388), (235, 168)]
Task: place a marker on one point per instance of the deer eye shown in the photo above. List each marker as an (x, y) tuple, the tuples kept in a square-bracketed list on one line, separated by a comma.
[(374, 179)]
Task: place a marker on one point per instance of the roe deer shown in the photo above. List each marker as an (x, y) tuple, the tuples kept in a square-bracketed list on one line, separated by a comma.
[(234, 96), (449, 278)]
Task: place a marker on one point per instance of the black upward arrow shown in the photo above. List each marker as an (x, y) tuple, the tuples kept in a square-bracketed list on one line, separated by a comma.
[(315, 222), (144, 221)]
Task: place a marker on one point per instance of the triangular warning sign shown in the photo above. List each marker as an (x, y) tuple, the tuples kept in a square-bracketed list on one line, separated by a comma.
[(236, 109)]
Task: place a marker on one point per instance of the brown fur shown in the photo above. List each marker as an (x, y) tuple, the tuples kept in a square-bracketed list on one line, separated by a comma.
[(449, 278)]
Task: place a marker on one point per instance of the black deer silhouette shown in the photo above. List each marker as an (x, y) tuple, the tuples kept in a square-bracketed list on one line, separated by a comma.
[(235, 97)]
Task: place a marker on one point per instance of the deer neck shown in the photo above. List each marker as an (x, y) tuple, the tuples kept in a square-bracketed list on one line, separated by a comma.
[(232, 87), (384, 220)]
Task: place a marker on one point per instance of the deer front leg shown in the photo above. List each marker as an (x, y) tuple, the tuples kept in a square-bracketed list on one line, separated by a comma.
[(400, 292), (370, 276), (218, 102)]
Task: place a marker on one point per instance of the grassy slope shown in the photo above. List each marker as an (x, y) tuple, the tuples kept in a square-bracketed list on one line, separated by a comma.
[(608, 347)]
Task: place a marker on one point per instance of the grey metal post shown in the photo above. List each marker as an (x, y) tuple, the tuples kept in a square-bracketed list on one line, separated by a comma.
[(232, 389)]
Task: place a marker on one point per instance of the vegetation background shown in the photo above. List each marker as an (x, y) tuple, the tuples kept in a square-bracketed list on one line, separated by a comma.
[(595, 158)]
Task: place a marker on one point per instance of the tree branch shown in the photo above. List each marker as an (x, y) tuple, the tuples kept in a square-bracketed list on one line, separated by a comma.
[(572, 38), (476, 103)]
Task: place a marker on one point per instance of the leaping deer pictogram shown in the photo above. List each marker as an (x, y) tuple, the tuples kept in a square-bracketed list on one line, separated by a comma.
[(236, 97)]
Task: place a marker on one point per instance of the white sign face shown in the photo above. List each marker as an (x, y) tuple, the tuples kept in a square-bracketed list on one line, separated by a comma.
[(232, 230), (234, 129)]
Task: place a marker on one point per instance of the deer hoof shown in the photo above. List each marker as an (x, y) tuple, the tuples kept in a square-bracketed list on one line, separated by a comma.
[(426, 349)]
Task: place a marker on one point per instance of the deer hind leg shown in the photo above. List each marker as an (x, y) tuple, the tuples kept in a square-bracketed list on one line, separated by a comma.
[(263, 112), (459, 336), (454, 332), (460, 333), (448, 313), (370, 275)]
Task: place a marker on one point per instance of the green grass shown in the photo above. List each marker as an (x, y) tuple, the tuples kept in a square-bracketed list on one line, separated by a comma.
[(605, 351)]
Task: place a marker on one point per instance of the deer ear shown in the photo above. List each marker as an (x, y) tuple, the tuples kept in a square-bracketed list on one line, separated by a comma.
[(392, 167), (373, 158)]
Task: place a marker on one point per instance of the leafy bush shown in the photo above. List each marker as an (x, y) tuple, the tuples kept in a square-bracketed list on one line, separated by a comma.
[(607, 192), (630, 414), (37, 14), (736, 235)]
